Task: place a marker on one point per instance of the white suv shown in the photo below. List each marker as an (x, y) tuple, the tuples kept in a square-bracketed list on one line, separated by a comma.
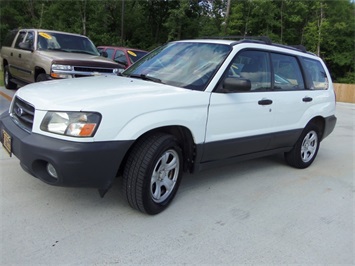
[(186, 106)]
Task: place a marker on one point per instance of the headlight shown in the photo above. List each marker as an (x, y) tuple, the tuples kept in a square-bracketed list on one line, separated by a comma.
[(61, 71), (116, 71), (75, 124), (62, 67)]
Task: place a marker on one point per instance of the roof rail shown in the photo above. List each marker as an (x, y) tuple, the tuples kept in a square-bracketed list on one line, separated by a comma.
[(259, 39), (299, 47), (263, 39)]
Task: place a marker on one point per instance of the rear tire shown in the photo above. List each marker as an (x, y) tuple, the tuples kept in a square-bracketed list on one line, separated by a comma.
[(153, 173), (306, 148), (7, 79)]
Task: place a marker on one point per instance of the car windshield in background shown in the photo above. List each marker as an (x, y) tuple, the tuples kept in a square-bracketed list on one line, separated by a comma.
[(135, 55), (65, 43), (185, 64)]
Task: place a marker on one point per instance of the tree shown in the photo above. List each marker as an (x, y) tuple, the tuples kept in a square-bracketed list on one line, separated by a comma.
[(325, 27), (339, 42), (182, 20), (236, 24)]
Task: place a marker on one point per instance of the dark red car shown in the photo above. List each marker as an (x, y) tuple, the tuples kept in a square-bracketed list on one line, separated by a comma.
[(122, 55)]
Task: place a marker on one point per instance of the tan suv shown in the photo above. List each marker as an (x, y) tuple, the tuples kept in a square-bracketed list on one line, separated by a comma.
[(32, 55)]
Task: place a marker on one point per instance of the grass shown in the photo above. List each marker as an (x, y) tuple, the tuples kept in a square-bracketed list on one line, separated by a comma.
[(1, 79)]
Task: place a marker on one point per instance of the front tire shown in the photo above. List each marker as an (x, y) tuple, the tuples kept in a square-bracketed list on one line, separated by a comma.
[(153, 173), (306, 148), (41, 77), (7, 79)]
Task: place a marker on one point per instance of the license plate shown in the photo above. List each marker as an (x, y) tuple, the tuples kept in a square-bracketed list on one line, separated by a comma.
[(7, 142)]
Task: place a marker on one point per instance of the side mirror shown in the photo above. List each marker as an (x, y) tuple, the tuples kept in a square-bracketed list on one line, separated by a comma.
[(236, 85), (104, 54), (25, 46)]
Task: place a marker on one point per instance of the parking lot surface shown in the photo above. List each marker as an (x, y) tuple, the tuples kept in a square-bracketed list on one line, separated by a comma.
[(256, 212)]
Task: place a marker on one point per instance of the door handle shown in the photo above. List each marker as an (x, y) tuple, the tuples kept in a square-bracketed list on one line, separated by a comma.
[(307, 99), (265, 102)]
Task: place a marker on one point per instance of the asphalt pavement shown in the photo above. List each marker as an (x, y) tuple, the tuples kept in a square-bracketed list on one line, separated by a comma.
[(256, 212)]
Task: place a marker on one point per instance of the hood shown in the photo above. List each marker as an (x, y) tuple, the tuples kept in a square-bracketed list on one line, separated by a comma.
[(97, 93), (78, 59)]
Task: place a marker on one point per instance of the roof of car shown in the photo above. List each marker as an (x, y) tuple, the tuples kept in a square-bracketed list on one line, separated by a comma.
[(234, 40), (120, 47), (53, 31)]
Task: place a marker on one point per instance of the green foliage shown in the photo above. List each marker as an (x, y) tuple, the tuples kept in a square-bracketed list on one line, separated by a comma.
[(1, 80), (235, 24), (348, 78), (325, 27), (181, 22)]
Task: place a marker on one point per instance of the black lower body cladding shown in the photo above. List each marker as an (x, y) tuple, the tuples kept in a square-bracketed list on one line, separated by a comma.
[(330, 123), (77, 164)]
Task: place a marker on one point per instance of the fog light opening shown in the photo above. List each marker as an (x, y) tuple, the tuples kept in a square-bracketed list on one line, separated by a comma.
[(51, 170)]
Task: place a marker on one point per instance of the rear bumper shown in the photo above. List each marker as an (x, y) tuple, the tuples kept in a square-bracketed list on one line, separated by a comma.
[(329, 125), (78, 164)]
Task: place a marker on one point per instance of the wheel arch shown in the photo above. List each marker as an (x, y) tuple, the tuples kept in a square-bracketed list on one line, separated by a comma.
[(319, 121), (184, 138), (38, 70), (4, 63)]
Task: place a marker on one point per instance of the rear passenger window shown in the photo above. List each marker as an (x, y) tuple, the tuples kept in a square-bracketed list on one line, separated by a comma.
[(316, 73), (287, 73), (20, 38)]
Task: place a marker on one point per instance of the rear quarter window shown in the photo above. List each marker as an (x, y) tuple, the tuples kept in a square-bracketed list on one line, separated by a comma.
[(316, 74)]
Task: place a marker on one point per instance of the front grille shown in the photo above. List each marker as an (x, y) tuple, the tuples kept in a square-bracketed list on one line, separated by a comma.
[(93, 69), (23, 114)]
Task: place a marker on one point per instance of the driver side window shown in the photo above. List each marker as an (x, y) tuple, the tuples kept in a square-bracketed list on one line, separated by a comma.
[(29, 39), (252, 68)]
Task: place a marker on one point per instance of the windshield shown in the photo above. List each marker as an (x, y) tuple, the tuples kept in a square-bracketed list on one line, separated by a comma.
[(183, 64), (65, 43), (135, 55)]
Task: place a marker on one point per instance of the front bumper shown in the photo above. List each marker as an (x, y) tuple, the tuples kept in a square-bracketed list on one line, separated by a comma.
[(78, 164)]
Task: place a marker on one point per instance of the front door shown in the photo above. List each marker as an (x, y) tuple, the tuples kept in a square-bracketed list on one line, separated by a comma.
[(240, 123)]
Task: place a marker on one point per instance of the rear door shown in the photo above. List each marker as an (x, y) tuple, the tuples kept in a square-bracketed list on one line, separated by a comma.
[(15, 60), (291, 100), (26, 57)]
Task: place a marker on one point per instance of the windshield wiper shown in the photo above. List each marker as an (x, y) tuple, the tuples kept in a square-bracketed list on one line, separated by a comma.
[(146, 77)]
